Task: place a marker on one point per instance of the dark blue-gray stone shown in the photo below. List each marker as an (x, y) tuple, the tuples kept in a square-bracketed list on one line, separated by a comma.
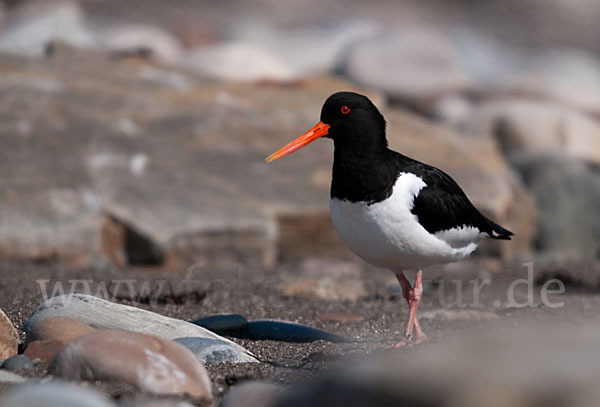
[(211, 350), (289, 332), (17, 362), (223, 322)]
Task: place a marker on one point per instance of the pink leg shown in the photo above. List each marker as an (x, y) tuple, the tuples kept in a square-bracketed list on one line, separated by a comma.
[(413, 296)]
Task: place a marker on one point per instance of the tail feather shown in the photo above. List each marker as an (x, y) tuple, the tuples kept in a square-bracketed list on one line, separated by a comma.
[(498, 232)]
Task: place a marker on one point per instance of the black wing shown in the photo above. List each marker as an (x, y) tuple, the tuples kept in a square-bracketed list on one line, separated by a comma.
[(443, 205)]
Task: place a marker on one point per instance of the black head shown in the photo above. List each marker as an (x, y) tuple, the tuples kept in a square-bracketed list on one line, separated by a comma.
[(354, 121), (351, 120)]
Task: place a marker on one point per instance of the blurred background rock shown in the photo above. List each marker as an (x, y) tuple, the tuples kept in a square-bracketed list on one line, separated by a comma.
[(133, 133)]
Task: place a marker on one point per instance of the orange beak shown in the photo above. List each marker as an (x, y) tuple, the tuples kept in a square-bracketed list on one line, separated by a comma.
[(321, 129)]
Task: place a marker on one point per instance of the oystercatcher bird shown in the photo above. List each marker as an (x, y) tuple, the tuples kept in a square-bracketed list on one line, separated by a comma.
[(391, 210)]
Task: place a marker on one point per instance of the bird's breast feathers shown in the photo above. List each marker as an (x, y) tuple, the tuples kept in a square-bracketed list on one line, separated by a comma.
[(387, 234)]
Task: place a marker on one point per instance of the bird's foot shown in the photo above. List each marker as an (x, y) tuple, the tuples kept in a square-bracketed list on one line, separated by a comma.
[(411, 340)]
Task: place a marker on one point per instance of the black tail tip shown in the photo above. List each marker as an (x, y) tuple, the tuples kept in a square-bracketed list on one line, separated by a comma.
[(498, 232)]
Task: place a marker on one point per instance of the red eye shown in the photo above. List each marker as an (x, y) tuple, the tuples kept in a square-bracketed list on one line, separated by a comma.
[(345, 109)]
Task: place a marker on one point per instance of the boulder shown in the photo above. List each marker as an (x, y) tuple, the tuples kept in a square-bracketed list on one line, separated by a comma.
[(149, 363), (567, 192), (529, 126), (140, 39), (414, 64), (29, 28)]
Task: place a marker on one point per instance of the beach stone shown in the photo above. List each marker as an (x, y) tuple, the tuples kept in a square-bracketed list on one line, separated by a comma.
[(30, 27), (60, 329), (286, 331), (567, 191), (147, 362), (102, 314), (45, 351), (568, 76), (54, 394), (17, 362), (253, 394), (528, 126), (8, 377), (413, 64), (134, 39), (239, 61), (9, 337), (326, 279), (263, 52), (211, 350), (223, 322)]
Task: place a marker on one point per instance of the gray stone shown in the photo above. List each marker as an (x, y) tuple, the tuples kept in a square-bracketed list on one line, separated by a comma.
[(567, 192), (8, 377), (262, 52), (211, 350), (570, 76), (286, 331), (132, 39), (29, 28), (222, 322), (410, 64), (55, 394), (253, 394), (17, 362), (102, 314), (528, 126)]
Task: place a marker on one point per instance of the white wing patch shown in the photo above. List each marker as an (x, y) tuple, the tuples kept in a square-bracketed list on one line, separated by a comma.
[(388, 234), (460, 236)]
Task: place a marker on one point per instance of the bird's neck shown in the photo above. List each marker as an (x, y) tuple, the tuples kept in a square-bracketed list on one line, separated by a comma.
[(362, 174)]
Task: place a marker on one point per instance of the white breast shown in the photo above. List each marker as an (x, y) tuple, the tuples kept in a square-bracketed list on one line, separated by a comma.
[(387, 234)]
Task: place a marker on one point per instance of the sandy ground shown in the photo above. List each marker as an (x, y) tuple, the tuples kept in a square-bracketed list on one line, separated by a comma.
[(253, 292)]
